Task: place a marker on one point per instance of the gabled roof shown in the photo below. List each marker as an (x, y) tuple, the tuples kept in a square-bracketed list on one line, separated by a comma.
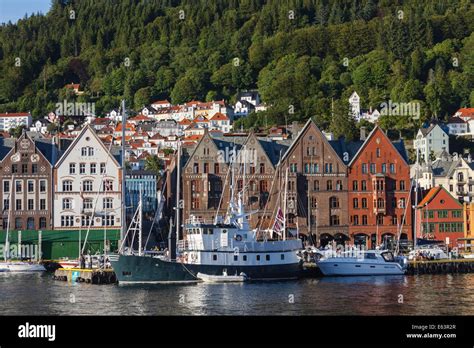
[(455, 120), (465, 112), (432, 193), (218, 116), (300, 134), (141, 118), (76, 140), (398, 145), (426, 131), (161, 102)]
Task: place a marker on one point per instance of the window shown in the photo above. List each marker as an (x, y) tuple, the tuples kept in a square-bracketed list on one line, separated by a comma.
[(87, 186), (42, 222), (18, 204), (42, 204), (107, 203), (316, 185), (6, 186), (364, 220), (244, 257), (456, 213), (24, 168), (236, 257), (93, 168), (18, 186), (108, 185), (72, 168), (108, 220), (392, 168), (373, 168), (42, 185), (355, 219), (82, 168), (355, 203), (31, 186), (402, 203), (377, 152), (34, 168), (263, 186), (293, 167), (31, 204), (258, 257), (363, 185), (355, 185), (87, 203), (339, 185), (364, 168), (262, 168), (282, 256), (14, 168), (18, 223), (402, 185), (67, 203), (6, 204), (333, 202), (87, 221), (67, 221), (334, 220), (216, 168), (67, 185), (315, 168), (384, 168), (380, 203), (394, 220), (195, 168), (195, 201), (102, 168), (87, 151), (267, 257), (442, 214), (214, 257), (364, 203), (329, 185), (206, 168), (328, 168), (314, 202)]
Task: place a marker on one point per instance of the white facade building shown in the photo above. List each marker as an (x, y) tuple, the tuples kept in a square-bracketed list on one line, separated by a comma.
[(431, 141), (87, 185), (14, 119)]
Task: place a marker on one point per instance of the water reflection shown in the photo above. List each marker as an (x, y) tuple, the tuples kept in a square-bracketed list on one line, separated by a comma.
[(30, 294)]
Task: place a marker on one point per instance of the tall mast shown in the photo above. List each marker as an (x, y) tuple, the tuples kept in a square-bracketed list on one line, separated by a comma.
[(416, 199), (284, 204), (140, 212), (124, 171), (178, 194), (7, 242)]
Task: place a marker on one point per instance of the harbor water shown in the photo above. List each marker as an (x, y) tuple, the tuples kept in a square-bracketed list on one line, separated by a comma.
[(39, 294)]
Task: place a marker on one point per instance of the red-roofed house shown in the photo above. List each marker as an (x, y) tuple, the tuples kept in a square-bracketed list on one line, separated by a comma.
[(75, 87), (220, 122), (11, 120), (140, 119), (160, 104), (439, 216)]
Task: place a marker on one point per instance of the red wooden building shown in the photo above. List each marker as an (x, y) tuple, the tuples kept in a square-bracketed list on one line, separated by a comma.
[(379, 192), (440, 217)]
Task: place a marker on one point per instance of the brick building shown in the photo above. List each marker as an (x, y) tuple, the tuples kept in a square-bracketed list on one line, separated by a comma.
[(379, 191)]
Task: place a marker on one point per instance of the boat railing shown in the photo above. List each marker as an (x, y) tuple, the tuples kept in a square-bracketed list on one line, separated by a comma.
[(199, 221)]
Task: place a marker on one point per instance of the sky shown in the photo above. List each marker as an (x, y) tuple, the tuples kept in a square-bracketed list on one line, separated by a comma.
[(13, 10)]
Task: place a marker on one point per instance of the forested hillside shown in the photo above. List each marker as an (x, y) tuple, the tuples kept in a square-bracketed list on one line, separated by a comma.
[(305, 56)]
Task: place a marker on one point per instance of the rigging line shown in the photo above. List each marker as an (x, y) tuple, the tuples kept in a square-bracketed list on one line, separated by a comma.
[(128, 230), (154, 219), (222, 194), (267, 202), (403, 219)]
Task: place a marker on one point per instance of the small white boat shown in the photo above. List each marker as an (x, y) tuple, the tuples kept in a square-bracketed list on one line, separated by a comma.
[(69, 263), (224, 278), (20, 266), (367, 262)]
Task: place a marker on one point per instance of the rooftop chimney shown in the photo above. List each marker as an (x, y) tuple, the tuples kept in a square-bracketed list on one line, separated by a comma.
[(362, 133)]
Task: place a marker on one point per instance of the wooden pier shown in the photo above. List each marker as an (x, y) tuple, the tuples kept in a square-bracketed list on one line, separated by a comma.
[(90, 276), (441, 266)]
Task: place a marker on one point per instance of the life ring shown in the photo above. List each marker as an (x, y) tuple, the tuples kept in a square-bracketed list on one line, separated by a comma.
[(238, 238)]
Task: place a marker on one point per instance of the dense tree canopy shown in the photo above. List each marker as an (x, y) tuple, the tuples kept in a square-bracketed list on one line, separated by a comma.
[(305, 56)]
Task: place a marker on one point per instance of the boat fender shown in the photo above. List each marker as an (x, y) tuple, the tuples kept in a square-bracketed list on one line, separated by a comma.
[(238, 238)]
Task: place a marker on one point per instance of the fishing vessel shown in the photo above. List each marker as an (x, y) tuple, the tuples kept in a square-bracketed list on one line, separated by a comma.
[(210, 248)]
